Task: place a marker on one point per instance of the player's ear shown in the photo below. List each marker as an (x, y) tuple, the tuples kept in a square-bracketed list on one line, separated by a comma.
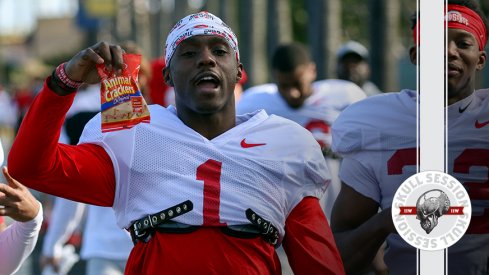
[(482, 60), (312, 71), (239, 74), (413, 55), (167, 76)]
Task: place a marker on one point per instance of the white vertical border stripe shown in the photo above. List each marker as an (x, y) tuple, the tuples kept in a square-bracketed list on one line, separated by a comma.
[(431, 77)]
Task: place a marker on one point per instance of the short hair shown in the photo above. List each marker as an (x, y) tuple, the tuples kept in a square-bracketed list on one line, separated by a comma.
[(287, 57)]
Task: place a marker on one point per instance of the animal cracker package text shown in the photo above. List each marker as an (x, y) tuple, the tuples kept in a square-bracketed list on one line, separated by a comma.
[(123, 106)]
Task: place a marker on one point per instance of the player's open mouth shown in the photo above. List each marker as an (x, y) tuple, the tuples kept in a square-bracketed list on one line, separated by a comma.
[(207, 81)]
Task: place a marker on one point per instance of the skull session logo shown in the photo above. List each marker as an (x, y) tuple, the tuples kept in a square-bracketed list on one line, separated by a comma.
[(428, 210), (431, 210)]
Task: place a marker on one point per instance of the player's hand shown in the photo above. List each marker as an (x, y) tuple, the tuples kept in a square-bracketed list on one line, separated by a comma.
[(52, 261), (18, 202), (82, 67)]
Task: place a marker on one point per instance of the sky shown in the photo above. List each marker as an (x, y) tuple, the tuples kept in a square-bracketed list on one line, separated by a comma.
[(19, 16)]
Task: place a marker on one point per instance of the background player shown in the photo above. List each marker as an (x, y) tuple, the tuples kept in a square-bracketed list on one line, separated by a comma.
[(352, 65)]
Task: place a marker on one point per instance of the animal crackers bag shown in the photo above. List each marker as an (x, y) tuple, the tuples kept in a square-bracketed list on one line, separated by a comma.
[(123, 106)]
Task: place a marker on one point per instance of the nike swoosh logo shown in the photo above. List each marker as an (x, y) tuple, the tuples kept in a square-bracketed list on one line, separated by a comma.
[(479, 125), (461, 110), (249, 145)]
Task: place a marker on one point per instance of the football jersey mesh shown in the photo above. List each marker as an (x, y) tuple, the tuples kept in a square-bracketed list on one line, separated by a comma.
[(164, 163)]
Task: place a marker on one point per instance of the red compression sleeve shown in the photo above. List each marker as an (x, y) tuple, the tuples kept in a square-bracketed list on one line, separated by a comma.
[(309, 242), (82, 173)]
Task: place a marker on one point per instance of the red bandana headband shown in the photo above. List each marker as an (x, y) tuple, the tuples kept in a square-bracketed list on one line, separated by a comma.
[(460, 17)]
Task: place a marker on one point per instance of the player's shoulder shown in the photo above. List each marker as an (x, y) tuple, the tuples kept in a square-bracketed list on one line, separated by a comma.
[(380, 104), (284, 122), (158, 110), (287, 129), (332, 82), (481, 107), (360, 124), (263, 89), (263, 96), (339, 90), (273, 125), (283, 136), (336, 85), (482, 95)]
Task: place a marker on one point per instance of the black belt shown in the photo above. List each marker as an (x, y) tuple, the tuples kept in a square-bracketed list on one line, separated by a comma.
[(142, 229), (267, 230)]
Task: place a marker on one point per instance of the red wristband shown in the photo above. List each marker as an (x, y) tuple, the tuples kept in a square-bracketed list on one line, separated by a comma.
[(61, 75)]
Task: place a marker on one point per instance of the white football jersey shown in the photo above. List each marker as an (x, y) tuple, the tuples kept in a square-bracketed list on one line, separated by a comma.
[(320, 110), (377, 138), (265, 163)]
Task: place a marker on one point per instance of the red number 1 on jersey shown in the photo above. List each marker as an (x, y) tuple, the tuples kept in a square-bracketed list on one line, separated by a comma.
[(210, 173)]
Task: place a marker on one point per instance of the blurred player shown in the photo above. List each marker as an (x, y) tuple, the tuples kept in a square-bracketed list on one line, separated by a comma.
[(352, 65)]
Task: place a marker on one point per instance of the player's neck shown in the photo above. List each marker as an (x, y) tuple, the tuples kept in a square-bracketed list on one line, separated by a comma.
[(209, 125), (454, 97)]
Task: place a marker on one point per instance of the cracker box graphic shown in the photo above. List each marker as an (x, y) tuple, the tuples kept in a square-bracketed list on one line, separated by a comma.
[(431, 210)]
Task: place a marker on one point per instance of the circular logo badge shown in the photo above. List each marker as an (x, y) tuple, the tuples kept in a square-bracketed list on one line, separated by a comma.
[(431, 210)]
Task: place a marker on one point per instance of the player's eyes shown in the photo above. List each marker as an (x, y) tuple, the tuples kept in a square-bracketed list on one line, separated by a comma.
[(464, 44), (220, 52), (187, 53)]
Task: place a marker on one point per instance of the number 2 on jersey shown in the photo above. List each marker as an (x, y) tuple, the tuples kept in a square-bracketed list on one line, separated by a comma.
[(462, 164), (210, 173)]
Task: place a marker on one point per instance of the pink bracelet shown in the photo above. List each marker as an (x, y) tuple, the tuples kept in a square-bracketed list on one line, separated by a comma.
[(61, 76)]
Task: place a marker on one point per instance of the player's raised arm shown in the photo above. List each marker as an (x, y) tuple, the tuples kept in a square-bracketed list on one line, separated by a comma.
[(83, 173)]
